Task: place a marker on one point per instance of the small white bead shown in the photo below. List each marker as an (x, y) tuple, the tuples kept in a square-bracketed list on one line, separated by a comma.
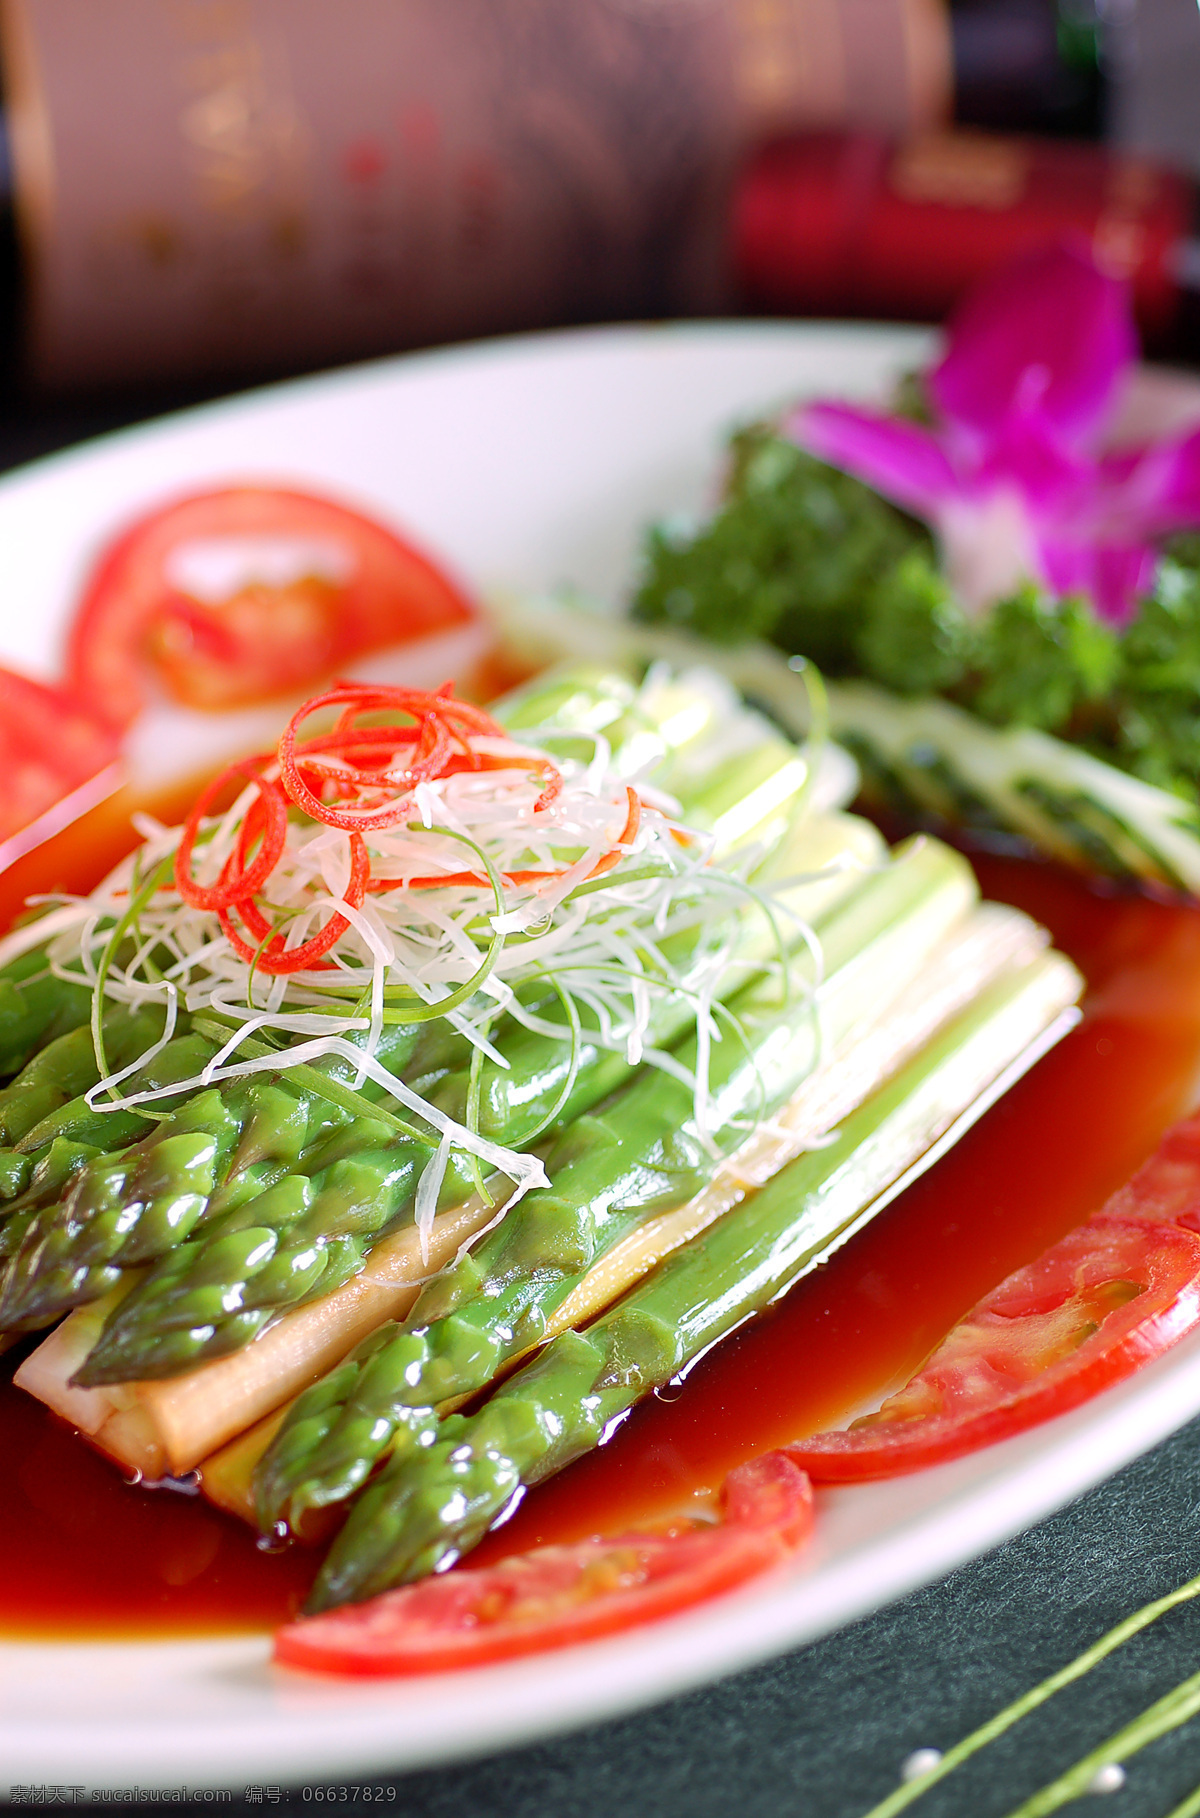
[(1107, 1779), (921, 1761)]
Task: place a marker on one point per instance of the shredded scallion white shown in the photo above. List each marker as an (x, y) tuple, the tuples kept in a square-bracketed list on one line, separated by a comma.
[(468, 949)]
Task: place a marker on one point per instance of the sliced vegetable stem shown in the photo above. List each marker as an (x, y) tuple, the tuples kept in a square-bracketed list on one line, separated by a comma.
[(937, 758), (1167, 1714), (1030, 1701)]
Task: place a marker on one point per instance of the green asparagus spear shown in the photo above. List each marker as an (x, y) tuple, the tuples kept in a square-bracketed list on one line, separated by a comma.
[(59, 1147), (66, 1067), (104, 1130), (302, 1237), (14, 1175), (58, 1074), (127, 1209), (436, 1498), (647, 1151), (219, 1288), (35, 1008), (76, 1129)]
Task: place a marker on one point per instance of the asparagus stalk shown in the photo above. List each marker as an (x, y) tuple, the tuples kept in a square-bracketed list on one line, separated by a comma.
[(215, 1292), (35, 1005), (102, 1130), (62, 1145), (66, 1067), (651, 1148), (132, 1207), (51, 1081), (947, 763), (434, 1501), (171, 1425)]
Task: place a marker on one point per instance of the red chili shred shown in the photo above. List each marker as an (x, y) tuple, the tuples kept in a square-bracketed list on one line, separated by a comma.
[(335, 778)]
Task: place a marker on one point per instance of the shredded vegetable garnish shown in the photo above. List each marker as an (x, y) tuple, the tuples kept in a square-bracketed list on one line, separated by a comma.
[(413, 861)]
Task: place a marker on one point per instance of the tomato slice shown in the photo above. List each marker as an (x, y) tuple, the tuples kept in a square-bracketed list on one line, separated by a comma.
[(49, 745), (553, 1597), (1167, 1187), (1116, 1292), (245, 594)]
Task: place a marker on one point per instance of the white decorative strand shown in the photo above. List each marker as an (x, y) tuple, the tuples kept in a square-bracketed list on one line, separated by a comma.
[(607, 942)]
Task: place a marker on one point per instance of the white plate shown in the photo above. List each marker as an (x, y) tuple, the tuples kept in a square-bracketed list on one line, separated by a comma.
[(525, 464)]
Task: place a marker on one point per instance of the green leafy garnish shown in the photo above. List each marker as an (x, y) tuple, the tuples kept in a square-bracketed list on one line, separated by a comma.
[(792, 555), (815, 561)]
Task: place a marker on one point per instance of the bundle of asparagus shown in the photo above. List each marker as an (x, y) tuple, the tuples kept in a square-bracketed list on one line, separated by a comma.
[(257, 1189), (616, 1049), (435, 1500)]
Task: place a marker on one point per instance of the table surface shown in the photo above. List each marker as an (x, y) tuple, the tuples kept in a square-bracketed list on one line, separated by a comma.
[(822, 1732)]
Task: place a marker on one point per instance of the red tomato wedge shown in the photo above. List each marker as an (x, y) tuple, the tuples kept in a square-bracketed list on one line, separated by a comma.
[(553, 1597), (242, 595), (49, 745), (1113, 1294)]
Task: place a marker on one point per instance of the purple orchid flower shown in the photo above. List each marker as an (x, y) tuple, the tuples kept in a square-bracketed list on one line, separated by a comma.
[(1013, 479)]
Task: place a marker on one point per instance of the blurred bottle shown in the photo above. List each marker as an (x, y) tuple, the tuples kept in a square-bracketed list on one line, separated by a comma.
[(210, 190), (852, 224), (228, 187)]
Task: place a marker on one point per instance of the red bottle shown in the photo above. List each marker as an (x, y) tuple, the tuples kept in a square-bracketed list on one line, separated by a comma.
[(850, 224)]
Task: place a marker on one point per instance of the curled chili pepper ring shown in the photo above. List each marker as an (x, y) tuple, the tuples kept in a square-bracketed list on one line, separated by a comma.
[(272, 955), (359, 779), (442, 730), (267, 816)]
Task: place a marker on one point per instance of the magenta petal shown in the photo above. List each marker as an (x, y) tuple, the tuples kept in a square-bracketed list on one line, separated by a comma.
[(1066, 563), (1009, 480), (899, 459), (1024, 454), (1050, 332), (1152, 492), (1114, 576), (1122, 574)]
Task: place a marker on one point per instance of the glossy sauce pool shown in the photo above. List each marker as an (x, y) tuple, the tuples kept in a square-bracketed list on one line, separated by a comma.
[(87, 1554)]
